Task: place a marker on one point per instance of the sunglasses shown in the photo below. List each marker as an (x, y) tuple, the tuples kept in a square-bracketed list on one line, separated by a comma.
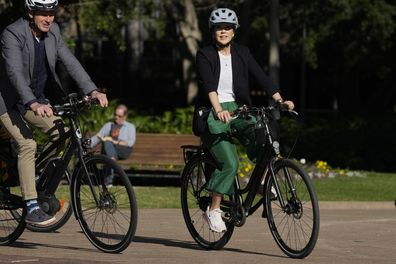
[(44, 13), (223, 27), (118, 115)]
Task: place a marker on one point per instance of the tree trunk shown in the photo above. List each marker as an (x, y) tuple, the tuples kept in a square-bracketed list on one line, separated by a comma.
[(184, 15), (274, 42)]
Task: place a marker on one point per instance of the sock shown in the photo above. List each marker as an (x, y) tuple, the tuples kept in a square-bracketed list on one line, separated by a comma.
[(31, 205)]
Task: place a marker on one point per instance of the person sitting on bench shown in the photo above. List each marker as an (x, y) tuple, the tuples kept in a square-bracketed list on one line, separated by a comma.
[(117, 137)]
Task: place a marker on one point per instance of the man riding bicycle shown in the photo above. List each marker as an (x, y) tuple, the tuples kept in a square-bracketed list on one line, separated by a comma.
[(30, 49)]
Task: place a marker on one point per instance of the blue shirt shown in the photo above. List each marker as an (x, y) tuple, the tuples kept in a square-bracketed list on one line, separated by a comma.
[(40, 75), (127, 133)]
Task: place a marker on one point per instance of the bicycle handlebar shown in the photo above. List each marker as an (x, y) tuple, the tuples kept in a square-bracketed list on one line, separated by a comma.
[(74, 104), (244, 110)]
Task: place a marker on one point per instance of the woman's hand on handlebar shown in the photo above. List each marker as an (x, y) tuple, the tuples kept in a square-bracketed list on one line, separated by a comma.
[(290, 105), (283, 105), (101, 97), (224, 116), (287, 106)]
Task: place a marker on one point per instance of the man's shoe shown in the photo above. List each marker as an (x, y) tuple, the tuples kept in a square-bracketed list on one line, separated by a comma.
[(214, 220), (38, 217)]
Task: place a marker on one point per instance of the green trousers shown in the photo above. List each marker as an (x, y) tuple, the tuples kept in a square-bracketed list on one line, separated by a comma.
[(218, 139)]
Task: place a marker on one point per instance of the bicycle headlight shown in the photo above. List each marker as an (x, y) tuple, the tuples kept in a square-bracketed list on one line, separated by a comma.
[(276, 145)]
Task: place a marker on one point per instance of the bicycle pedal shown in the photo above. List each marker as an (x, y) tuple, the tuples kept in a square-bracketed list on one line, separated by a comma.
[(264, 214)]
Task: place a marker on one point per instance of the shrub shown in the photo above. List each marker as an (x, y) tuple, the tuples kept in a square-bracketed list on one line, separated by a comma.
[(344, 141)]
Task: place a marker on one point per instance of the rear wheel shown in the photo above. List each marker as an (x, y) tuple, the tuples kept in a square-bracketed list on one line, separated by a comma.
[(12, 215), (195, 199), (109, 222), (295, 225)]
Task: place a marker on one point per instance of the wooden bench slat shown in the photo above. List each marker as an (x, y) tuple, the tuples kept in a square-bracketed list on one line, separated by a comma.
[(158, 149)]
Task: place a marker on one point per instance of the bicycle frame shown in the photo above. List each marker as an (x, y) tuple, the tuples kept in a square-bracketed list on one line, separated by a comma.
[(53, 175), (266, 160)]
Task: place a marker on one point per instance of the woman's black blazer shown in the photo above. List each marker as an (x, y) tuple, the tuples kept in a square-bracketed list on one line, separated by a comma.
[(243, 67)]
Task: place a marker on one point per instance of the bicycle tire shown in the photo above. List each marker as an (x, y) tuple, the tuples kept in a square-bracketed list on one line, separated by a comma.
[(63, 214), (194, 201), (11, 227), (295, 227), (109, 225)]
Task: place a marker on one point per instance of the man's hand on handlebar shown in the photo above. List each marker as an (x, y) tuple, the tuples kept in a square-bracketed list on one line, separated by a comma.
[(101, 97), (41, 109)]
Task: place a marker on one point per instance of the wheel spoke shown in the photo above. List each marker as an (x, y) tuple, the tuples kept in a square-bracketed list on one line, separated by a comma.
[(110, 223), (10, 225), (195, 199), (295, 227)]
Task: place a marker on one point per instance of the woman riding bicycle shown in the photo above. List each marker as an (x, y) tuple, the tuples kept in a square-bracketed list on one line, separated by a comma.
[(224, 68)]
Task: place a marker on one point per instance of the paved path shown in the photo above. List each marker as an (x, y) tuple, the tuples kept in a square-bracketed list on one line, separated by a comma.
[(352, 233)]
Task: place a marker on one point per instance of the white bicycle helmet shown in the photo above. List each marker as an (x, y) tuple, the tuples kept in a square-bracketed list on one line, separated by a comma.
[(42, 5), (223, 16)]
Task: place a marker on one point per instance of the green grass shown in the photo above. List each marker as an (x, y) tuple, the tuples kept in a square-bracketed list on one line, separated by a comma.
[(157, 197), (372, 187)]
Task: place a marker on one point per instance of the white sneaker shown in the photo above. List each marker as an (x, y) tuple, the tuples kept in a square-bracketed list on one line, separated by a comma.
[(214, 220), (273, 194)]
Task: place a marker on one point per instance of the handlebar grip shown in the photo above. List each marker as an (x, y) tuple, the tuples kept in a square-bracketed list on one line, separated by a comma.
[(283, 106), (59, 109), (91, 101)]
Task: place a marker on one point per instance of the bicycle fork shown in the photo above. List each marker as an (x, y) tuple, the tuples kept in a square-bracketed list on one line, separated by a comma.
[(77, 142), (90, 183), (292, 188)]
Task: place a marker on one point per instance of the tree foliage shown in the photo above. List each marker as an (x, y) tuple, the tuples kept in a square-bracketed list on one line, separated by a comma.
[(353, 28), (109, 18), (349, 45)]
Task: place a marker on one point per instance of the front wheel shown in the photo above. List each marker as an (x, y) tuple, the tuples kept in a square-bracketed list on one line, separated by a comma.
[(195, 199), (294, 223), (107, 214)]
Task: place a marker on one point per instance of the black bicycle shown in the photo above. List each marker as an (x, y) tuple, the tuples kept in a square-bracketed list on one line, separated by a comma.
[(58, 205), (289, 201), (107, 215)]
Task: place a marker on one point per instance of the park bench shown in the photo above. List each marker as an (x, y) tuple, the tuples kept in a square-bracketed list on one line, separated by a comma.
[(158, 157)]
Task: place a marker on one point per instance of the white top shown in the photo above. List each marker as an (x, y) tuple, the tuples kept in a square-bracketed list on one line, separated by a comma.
[(225, 90)]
